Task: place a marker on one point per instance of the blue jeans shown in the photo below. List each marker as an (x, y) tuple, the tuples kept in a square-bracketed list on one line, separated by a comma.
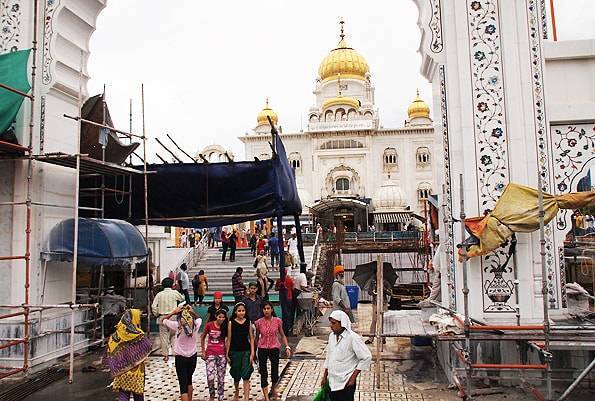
[(274, 257)]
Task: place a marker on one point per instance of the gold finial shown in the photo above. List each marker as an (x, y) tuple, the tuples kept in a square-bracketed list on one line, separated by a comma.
[(417, 91), (339, 85), (266, 103), (342, 23)]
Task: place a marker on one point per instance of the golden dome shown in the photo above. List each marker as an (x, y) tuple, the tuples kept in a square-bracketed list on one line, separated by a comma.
[(418, 108), (343, 60), (340, 100), (267, 111)]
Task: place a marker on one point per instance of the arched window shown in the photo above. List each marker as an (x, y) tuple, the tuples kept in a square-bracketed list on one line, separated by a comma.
[(368, 115), (313, 118), (328, 116), (339, 114), (351, 114), (423, 156), (342, 184), (341, 144), (389, 157), (424, 190), (295, 160)]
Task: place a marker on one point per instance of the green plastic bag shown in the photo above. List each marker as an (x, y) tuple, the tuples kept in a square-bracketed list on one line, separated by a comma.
[(323, 394)]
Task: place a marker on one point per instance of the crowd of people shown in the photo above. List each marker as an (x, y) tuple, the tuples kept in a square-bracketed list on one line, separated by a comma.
[(251, 335)]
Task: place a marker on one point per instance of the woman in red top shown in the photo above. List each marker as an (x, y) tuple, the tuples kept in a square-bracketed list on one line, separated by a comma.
[(261, 244), (214, 354), (268, 330)]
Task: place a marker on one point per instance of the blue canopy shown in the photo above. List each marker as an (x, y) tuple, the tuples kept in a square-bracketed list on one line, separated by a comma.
[(212, 194), (101, 242)]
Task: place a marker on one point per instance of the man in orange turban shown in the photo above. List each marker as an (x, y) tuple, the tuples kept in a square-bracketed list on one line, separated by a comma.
[(339, 292)]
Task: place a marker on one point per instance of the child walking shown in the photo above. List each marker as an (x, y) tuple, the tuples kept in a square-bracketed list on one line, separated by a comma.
[(240, 349), (213, 353)]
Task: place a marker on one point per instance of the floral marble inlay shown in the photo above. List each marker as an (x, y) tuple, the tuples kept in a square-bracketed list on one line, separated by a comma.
[(574, 150), (50, 8), (543, 19), (490, 136), (541, 135), (436, 27), (448, 221), (10, 25), (488, 101)]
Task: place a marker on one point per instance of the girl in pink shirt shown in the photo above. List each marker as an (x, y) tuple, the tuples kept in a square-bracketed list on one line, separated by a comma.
[(214, 353), (186, 327), (268, 330)]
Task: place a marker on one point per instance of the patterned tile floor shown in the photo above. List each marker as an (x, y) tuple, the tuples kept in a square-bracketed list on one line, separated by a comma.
[(306, 376), (162, 383)]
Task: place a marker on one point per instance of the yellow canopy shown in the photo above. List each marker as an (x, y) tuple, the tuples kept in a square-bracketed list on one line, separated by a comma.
[(517, 210)]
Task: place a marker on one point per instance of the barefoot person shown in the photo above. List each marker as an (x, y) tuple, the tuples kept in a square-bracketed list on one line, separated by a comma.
[(346, 357), (268, 330), (185, 327), (240, 349), (214, 355), (127, 350)]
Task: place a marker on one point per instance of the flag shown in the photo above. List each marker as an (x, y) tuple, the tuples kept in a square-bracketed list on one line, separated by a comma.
[(13, 73)]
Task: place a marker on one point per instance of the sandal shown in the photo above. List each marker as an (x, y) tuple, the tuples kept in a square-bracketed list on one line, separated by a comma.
[(368, 341)]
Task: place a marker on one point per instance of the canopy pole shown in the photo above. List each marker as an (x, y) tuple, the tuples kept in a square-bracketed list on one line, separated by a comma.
[(379, 314), (146, 198), (298, 232), (76, 220)]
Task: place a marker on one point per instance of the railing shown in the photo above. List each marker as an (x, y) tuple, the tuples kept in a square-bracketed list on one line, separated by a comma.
[(196, 253), (376, 236)]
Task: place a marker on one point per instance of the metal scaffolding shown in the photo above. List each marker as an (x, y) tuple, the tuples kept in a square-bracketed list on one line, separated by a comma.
[(81, 164)]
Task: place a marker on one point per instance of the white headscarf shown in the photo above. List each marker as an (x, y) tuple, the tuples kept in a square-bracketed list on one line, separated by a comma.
[(341, 317)]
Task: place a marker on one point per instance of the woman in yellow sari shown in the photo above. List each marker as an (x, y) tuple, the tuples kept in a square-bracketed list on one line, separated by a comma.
[(127, 350)]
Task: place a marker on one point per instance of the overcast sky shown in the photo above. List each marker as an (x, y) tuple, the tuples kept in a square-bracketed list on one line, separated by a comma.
[(208, 66)]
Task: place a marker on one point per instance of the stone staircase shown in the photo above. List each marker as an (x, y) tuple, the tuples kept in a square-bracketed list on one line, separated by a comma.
[(219, 273)]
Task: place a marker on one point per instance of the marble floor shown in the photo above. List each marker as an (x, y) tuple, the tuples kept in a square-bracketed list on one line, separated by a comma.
[(162, 383)]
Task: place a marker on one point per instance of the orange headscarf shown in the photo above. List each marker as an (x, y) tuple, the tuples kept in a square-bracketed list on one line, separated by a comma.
[(338, 269)]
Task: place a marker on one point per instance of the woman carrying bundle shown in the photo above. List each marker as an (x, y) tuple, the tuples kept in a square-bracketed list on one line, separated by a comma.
[(127, 350)]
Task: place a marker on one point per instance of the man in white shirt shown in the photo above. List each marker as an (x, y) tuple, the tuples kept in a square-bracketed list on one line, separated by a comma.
[(165, 302), (346, 357), (184, 283)]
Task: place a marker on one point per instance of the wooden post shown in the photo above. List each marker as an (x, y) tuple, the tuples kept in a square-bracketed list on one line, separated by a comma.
[(379, 315)]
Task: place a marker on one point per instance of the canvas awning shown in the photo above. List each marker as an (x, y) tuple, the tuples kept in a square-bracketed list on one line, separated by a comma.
[(100, 242), (392, 217), (336, 203), (212, 194)]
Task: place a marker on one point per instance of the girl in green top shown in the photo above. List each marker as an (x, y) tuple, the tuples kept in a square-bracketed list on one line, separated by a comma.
[(240, 349)]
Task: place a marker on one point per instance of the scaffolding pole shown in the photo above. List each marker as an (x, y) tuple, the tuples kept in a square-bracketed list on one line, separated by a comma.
[(544, 289), (467, 322), (76, 221), (148, 262)]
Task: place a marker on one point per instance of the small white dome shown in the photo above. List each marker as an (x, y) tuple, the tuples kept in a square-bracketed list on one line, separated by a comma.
[(389, 196)]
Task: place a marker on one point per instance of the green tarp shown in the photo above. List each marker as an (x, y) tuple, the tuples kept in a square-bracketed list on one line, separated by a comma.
[(13, 73)]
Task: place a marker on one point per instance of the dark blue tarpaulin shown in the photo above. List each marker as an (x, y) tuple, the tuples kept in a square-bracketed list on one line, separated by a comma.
[(214, 194), (100, 242)]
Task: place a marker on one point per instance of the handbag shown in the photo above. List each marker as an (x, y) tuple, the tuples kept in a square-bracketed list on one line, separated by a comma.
[(323, 394)]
